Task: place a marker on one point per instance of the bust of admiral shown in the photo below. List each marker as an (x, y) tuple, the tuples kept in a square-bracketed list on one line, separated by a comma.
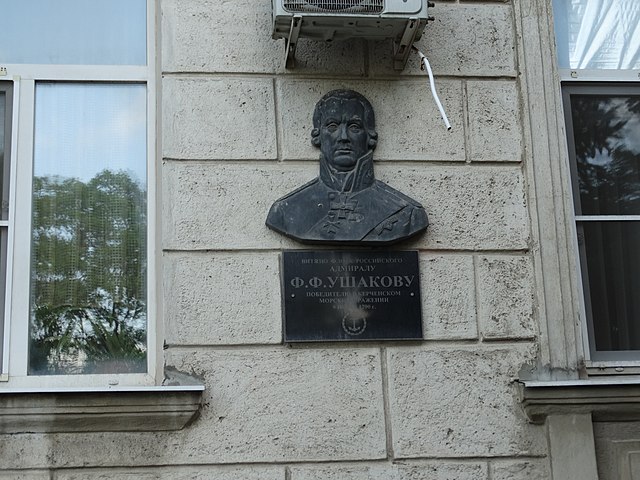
[(345, 204)]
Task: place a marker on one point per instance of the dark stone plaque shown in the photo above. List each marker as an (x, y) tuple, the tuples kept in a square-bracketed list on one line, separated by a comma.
[(351, 295)]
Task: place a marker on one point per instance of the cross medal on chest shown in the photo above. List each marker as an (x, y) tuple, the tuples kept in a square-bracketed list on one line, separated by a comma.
[(340, 208)]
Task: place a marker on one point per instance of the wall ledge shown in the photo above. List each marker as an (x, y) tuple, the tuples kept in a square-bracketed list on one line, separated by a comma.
[(122, 409), (616, 399)]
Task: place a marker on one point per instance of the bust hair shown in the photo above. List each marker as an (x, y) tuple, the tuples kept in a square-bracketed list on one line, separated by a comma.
[(369, 116)]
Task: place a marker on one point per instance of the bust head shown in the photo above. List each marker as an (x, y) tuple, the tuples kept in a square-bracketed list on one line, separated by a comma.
[(344, 128)]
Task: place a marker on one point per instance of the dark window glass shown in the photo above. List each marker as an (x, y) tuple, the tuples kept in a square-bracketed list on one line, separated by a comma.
[(612, 275), (3, 102), (4, 193), (606, 138)]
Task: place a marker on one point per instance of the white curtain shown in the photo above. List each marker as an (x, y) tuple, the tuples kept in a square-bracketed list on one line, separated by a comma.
[(598, 34)]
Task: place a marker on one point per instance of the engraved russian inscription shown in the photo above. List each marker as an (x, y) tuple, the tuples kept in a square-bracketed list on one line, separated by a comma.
[(351, 295)]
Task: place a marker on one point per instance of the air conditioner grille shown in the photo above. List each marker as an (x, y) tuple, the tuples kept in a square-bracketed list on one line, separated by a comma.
[(341, 6)]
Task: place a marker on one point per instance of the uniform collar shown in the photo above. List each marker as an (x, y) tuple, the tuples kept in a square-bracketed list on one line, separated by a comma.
[(359, 178)]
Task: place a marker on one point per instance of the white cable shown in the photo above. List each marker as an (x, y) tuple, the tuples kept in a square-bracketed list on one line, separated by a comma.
[(426, 66)]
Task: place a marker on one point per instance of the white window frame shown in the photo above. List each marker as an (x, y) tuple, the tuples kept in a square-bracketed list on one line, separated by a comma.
[(24, 77)]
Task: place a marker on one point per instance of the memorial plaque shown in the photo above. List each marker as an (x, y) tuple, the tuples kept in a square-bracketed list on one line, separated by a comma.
[(351, 295)]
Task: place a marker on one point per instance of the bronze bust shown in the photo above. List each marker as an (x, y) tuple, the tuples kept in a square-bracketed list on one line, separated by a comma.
[(345, 204)]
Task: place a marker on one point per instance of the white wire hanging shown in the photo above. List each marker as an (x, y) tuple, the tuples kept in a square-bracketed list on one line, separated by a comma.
[(426, 66)]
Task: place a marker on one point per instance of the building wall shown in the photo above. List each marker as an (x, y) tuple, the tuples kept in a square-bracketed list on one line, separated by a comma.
[(235, 137)]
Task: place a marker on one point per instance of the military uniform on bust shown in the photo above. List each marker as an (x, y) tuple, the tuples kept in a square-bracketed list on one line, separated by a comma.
[(345, 203)]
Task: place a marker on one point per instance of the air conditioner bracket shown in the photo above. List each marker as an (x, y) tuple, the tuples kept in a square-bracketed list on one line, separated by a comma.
[(402, 49), (292, 41)]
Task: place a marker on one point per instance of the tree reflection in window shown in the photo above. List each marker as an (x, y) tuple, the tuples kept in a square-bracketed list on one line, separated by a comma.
[(607, 153), (88, 275)]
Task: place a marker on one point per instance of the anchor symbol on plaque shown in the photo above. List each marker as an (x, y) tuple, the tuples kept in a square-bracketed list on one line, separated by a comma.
[(354, 325)]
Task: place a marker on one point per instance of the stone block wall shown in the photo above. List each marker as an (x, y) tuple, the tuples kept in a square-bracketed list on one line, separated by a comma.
[(235, 137)]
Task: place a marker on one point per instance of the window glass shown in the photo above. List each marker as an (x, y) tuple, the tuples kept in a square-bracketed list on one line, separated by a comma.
[(3, 103), (5, 112), (3, 230), (606, 134), (613, 281), (90, 32), (88, 268), (598, 34)]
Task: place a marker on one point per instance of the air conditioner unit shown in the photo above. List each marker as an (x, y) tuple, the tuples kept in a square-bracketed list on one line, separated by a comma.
[(403, 21)]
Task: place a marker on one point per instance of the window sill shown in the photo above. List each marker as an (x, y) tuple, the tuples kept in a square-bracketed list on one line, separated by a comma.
[(122, 409), (606, 399)]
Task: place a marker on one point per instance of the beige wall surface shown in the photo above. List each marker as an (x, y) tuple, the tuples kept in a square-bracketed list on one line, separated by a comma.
[(235, 137)]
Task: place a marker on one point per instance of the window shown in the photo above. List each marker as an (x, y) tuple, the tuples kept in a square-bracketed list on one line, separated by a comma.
[(77, 229), (5, 164), (599, 55)]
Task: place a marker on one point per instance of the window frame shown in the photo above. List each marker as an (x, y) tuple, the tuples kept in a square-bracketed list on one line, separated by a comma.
[(6, 87), (593, 357), (24, 78)]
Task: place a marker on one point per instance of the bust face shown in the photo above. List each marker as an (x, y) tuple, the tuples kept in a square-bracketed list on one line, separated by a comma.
[(343, 136)]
